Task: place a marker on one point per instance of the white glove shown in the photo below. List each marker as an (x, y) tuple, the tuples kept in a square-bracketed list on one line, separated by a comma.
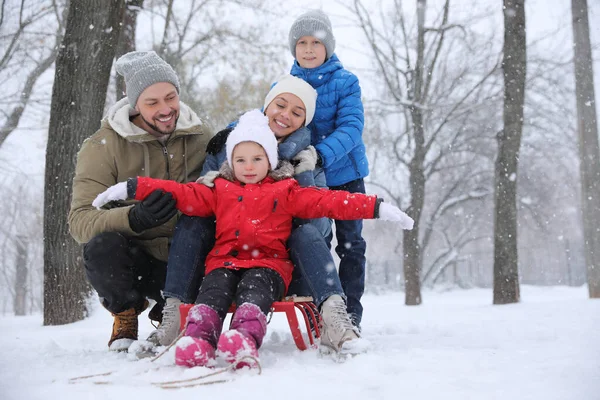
[(388, 212), (208, 179), (115, 192), (307, 160)]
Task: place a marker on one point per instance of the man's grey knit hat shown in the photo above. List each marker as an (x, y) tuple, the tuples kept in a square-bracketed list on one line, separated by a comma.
[(142, 69), (313, 23)]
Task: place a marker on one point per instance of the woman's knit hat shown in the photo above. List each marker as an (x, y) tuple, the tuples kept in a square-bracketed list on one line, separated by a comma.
[(313, 23), (142, 69), (297, 87), (253, 126)]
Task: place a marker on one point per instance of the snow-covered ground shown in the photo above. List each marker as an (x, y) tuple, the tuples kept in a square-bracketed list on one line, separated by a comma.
[(455, 346)]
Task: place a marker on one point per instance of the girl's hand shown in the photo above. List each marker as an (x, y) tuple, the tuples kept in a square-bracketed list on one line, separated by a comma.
[(388, 212)]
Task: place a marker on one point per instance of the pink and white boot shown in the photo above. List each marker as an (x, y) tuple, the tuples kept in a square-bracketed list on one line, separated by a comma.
[(248, 328), (197, 347)]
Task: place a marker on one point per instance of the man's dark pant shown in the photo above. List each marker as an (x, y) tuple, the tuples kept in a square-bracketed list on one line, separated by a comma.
[(122, 273)]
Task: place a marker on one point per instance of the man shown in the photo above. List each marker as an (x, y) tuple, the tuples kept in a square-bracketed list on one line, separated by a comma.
[(148, 133)]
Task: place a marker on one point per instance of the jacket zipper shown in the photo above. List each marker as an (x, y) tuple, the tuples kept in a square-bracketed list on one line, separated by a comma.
[(166, 153)]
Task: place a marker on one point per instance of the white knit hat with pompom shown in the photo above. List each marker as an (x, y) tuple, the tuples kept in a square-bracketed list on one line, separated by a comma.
[(253, 126)]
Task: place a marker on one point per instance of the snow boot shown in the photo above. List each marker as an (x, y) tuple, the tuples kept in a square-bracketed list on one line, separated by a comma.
[(168, 330), (125, 328), (248, 328), (194, 352), (197, 347), (338, 334)]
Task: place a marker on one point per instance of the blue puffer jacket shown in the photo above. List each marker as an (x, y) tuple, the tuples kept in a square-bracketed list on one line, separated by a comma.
[(338, 122)]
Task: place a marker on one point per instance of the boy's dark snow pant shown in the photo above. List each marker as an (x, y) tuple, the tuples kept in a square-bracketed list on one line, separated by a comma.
[(122, 273)]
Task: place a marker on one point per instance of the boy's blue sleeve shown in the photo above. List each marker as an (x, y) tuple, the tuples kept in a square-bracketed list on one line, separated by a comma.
[(349, 124)]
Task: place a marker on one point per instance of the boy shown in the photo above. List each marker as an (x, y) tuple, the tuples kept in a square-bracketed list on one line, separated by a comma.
[(337, 136)]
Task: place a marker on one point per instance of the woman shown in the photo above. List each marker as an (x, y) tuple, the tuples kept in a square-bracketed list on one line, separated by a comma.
[(289, 106)]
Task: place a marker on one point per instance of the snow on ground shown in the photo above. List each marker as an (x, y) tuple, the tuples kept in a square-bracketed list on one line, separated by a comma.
[(455, 346)]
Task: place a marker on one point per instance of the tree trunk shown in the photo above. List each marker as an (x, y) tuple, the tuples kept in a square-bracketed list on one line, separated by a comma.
[(589, 153), (78, 96), (21, 271), (127, 39), (514, 64), (413, 261)]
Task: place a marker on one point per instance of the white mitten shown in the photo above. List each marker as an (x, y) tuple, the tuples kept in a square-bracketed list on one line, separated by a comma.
[(208, 179), (115, 192), (389, 212), (307, 160)]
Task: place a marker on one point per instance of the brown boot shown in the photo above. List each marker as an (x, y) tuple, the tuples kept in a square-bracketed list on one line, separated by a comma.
[(125, 328)]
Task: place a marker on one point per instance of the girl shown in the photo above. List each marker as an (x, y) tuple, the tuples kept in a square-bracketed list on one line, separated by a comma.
[(254, 201), (290, 106)]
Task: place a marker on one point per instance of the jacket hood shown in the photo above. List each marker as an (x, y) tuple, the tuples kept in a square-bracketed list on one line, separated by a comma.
[(284, 170), (118, 118)]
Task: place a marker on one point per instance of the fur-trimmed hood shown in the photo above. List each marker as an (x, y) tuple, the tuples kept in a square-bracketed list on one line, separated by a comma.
[(119, 119), (285, 170)]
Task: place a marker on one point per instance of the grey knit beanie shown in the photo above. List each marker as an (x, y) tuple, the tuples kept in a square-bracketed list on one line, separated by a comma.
[(313, 23), (142, 69)]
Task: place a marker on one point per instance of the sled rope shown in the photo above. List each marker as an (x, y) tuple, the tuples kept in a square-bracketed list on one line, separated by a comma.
[(191, 382), (156, 357), (80, 378)]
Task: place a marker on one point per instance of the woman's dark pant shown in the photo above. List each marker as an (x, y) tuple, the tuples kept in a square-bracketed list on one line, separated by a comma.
[(122, 273), (314, 268), (193, 239)]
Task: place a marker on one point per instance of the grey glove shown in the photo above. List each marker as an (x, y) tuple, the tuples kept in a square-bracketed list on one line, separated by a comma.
[(208, 179), (305, 160)]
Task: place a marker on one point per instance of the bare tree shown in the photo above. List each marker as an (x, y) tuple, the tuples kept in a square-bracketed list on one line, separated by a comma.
[(80, 84), (589, 153), (514, 65), (20, 299), (19, 52), (202, 40), (431, 98)]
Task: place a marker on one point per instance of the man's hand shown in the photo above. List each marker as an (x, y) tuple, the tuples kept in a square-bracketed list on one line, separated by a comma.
[(155, 210)]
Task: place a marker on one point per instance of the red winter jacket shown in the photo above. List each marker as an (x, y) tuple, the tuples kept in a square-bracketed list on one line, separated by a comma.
[(254, 221)]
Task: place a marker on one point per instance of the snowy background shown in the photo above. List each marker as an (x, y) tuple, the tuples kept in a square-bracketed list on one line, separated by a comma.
[(457, 346)]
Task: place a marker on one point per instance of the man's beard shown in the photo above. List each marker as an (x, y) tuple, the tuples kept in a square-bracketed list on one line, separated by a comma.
[(157, 129)]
